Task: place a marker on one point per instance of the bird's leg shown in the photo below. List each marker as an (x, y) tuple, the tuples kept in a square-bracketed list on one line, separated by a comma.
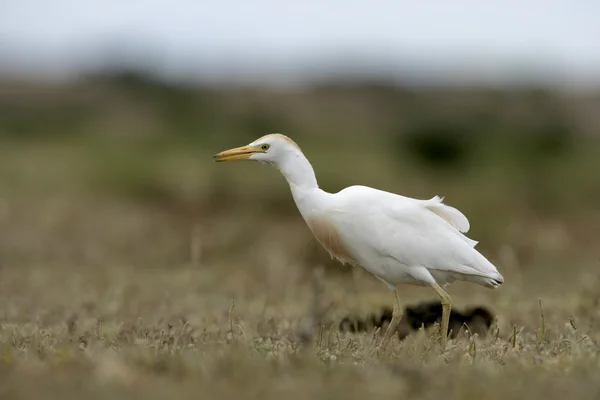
[(446, 308), (393, 325)]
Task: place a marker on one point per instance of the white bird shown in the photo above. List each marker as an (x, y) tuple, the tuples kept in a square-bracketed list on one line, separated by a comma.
[(400, 240)]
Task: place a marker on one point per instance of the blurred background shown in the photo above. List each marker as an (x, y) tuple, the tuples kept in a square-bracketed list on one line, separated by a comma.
[(111, 111)]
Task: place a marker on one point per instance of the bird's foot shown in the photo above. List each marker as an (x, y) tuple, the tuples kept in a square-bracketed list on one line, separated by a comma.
[(391, 330)]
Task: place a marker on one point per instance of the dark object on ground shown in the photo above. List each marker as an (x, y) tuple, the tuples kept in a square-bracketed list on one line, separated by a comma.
[(477, 320)]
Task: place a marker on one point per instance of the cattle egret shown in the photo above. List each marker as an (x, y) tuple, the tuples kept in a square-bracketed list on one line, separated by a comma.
[(400, 240)]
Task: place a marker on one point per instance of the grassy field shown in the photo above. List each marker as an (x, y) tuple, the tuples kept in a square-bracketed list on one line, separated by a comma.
[(132, 266)]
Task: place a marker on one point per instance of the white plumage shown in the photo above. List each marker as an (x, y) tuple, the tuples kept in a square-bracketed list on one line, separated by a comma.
[(398, 239)]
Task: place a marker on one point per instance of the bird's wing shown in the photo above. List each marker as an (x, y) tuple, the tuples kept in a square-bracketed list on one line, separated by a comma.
[(435, 205), (408, 231)]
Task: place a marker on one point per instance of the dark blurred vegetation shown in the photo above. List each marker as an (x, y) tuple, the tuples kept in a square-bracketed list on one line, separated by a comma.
[(117, 166)]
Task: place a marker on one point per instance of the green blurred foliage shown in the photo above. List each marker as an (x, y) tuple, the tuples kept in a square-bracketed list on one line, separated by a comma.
[(128, 136)]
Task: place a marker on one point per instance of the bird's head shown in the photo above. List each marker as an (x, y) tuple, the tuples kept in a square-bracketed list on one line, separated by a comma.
[(272, 149)]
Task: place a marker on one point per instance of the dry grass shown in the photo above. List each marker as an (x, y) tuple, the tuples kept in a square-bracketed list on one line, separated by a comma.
[(118, 331), (125, 302)]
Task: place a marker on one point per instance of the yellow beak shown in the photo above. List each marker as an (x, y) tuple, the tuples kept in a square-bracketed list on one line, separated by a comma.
[(239, 153)]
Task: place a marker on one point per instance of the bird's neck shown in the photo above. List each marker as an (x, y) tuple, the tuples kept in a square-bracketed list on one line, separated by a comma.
[(298, 172)]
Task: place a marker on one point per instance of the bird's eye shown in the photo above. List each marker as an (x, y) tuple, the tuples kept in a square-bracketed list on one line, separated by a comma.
[(265, 147)]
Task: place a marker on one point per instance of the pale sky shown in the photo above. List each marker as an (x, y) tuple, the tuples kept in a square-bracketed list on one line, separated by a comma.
[(267, 37)]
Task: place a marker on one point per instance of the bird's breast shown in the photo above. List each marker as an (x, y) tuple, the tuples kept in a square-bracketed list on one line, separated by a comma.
[(326, 233)]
